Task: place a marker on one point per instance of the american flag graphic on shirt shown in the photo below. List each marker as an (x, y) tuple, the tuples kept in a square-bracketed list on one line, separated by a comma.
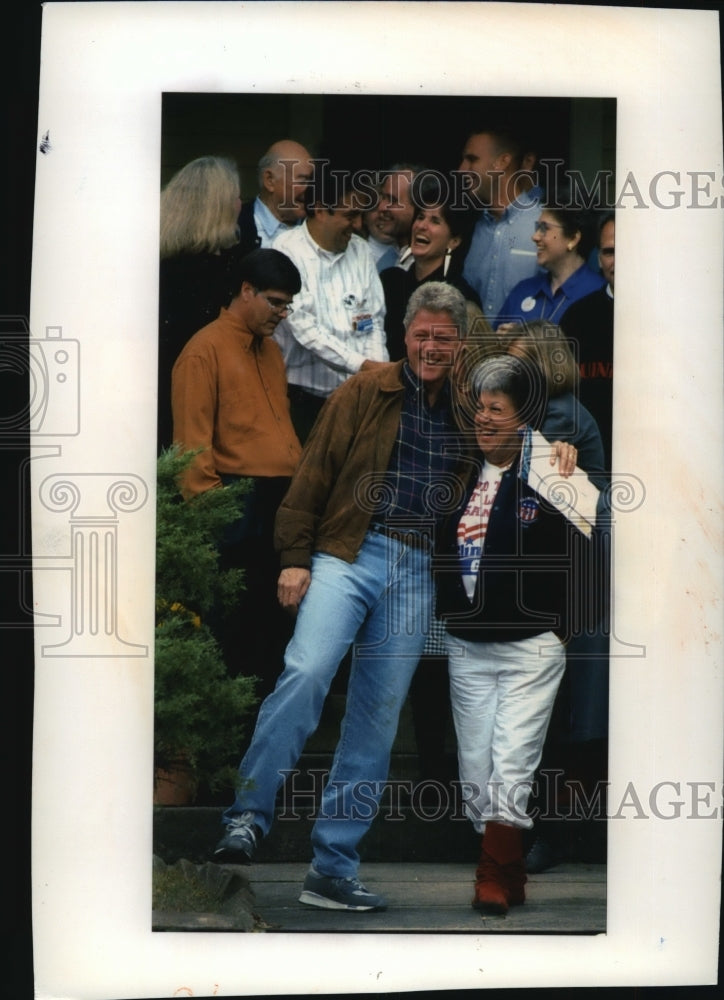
[(474, 524)]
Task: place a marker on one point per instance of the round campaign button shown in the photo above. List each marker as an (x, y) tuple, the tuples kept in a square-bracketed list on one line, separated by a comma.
[(528, 510)]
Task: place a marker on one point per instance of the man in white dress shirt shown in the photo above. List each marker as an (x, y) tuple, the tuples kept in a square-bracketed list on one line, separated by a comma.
[(336, 326)]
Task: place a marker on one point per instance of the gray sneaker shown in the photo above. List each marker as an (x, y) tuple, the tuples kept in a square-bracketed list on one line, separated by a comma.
[(238, 844), (338, 894)]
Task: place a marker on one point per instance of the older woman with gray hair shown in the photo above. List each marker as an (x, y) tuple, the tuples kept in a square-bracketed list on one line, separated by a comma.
[(505, 584), (576, 746)]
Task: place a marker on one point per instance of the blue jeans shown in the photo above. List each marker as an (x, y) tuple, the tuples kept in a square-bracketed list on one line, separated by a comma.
[(380, 605)]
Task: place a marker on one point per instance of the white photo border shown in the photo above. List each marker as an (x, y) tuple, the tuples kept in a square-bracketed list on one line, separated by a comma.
[(94, 287)]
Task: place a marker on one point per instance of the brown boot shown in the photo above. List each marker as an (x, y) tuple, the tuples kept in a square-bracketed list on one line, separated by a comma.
[(500, 876)]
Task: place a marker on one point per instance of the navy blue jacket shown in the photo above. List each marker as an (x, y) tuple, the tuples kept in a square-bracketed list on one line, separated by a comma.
[(532, 573), (249, 238)]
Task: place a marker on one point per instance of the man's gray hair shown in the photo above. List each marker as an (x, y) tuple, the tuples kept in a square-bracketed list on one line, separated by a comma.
[(438, 296), (268, 160)]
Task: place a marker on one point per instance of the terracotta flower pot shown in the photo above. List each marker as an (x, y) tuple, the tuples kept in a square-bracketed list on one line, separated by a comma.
[(175, 785)]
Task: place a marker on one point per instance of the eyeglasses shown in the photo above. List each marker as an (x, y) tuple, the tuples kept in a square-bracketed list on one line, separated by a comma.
[(607, 251), (277, 305), (543, 227)]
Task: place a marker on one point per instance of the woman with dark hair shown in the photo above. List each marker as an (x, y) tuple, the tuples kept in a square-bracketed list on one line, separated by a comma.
[(199, 256), (438, 243), (563, 241), (505, 586)]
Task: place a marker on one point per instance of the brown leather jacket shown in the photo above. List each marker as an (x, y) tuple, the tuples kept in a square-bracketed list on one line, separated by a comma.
[(328, 505)]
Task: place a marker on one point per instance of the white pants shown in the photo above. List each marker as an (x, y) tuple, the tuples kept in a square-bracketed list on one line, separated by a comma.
[(502, 696)]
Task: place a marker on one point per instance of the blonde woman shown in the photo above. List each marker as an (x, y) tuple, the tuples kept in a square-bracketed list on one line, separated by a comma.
[(200, 208), (199, 240)]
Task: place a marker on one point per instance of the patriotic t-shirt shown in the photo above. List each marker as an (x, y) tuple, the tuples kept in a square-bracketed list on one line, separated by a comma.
[(474, 524)]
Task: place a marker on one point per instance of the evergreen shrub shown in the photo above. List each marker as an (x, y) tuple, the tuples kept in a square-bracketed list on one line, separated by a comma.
[(199, 710)]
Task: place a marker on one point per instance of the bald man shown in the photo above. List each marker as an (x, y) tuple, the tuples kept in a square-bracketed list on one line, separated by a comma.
[(283, 173)]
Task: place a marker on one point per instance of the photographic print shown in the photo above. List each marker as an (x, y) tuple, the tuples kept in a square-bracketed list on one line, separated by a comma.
[(132, 93), (562, 155)]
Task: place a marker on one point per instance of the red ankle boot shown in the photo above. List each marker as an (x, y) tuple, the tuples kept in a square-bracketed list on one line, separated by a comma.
[(500, 876)]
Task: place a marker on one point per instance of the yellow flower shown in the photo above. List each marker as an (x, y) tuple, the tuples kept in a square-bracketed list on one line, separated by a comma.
[(179, 609)]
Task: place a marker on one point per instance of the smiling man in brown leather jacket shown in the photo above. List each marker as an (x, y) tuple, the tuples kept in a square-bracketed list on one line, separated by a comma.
[(355, 539)]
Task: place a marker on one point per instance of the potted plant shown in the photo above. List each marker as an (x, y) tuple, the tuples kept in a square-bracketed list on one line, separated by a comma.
[(199, 710)]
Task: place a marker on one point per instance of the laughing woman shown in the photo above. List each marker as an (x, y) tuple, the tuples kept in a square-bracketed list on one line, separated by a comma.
[(438, 244), (506, 580), (563, 241)]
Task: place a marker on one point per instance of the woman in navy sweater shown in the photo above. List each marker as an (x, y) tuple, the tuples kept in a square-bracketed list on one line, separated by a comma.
[(508, 571)]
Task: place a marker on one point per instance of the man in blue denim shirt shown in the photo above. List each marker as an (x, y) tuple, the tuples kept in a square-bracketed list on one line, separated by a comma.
[(501, 253)]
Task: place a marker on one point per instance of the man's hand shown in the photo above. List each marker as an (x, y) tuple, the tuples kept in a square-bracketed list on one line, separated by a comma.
[(292, 585), (566, 454)]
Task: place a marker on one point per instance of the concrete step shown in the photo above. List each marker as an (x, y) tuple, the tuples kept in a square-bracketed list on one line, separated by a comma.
[(421, 897), (398, 833), (435, 898)]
